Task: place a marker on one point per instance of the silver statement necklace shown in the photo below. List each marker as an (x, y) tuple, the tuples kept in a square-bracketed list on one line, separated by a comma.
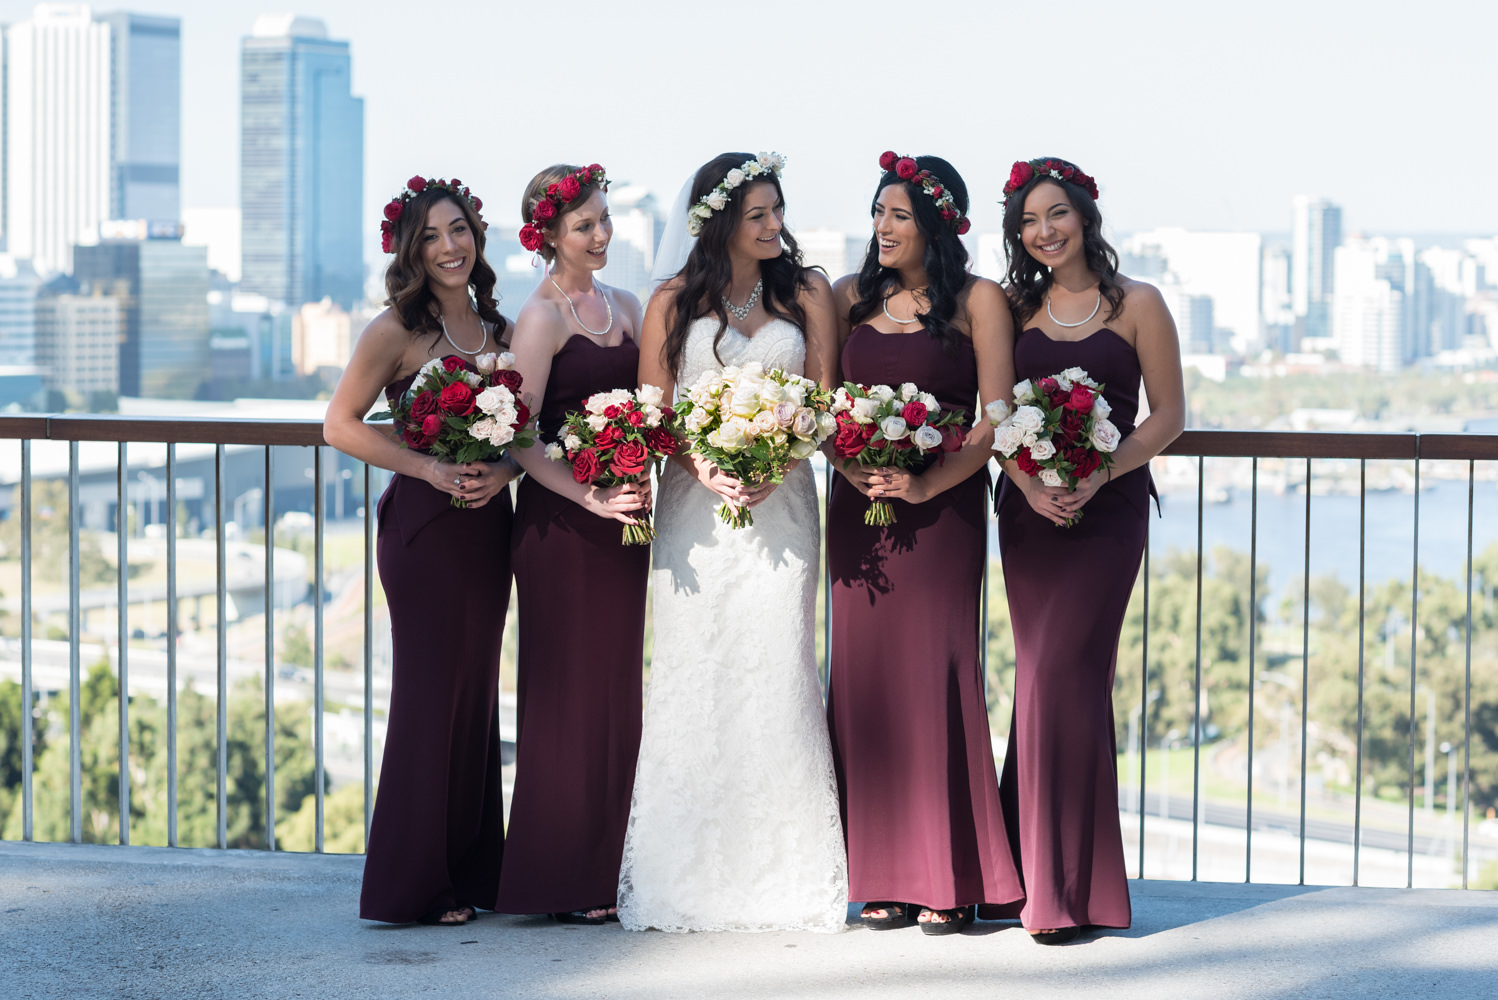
[(1095, 308), (441, 319), (609, 310), (896, 319), (741, 313)]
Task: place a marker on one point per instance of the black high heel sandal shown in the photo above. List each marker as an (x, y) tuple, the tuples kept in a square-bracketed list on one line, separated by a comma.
[(956, 919), (895, 915), (1060, 935)]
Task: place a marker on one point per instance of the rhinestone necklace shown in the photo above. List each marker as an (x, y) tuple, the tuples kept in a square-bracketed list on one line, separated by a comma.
[(609, 309), (450, 340), (742, 312)]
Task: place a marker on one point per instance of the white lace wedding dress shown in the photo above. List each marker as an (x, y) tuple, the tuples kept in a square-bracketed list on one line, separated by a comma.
[(734, 824)]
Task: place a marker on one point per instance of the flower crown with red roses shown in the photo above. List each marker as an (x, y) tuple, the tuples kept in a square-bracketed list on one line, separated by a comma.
[(908, 170), (1024, 171), (555, 201), (414, 187)]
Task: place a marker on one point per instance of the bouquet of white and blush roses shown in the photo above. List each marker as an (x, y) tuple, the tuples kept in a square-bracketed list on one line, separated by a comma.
[(881, 426), (1059, 431), (752, 424)]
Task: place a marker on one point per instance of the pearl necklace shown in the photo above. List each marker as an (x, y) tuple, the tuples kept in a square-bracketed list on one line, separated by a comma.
[(441, 319), (609, 309), (742, 312), (1084, 322)]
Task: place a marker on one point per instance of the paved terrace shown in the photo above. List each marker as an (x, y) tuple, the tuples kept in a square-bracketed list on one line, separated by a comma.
[(140, 922)]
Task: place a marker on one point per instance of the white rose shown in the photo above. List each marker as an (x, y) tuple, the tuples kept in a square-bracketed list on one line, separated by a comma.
[(842, 400), (785, 413), (894, 428), (908, 391), (767, 161), (801, 448), (804, 422), (932, 406), (1006, 440), (572, 442), (753, 169), (772, 393), (796, 393), (481, 428), (502, 434), (1063, 382), (653, 415), (746, 428), (1074, 374), (506, 360), (596, 422), (826, 425), (734, 178), (717, 200), (731, 437), (486, 363), (474, 380), (1042, 450), (650, 395), (698, 419), (744, 402), (765, 422), (505, 415), (996, 412), (1029, 440), (1024, 392), (554, 452), (493, 398), (752, 369), (1100, 406), (434, 365), (882, 393), (864, 409), (926, 437), (1029, 419), (1050, 477), (1104, 435)]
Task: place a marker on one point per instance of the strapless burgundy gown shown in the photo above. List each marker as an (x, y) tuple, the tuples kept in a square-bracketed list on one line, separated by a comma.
[(1060, 785), (910, 737), (437, 834), (582, 636)]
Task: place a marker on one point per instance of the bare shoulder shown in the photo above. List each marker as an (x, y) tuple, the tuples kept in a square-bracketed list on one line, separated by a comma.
[(845, 291), (818, 288), (539, 316), (1140, 294), (663, 297), (622, 298), (984, 293)]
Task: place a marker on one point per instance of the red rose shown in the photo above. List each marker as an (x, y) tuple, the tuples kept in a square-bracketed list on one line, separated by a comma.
[(531, 238), (417, 185), (887, 159), (904, 444), (914, 413), (636, 418), (385, 243), (477, 203), (507, 377), (936, 191), (953, 437), (424, 405), (452, 363), (1027, 463), (661, 441), (963, 225), (393, 209), (850, 441), (1081, 398), (668, 414), (1070, 428), (596, 168), (629, 459), (948, 214), (905, 168), (611, 411), (457, 399), (386, 226), (569, 188), (1057, 396), (1084, 461), (607, 438), (1047, 384), (551, 190), (1019, 176), (585, 466), (456, 183), (544, 211), (441, 183), (869, 430), (522, 414)]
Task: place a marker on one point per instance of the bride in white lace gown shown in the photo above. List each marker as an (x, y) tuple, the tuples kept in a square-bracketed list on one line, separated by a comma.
[(734, 823)]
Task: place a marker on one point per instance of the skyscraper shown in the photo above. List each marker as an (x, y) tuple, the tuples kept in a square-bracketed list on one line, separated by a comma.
[(1316, 234), (146, 117), (301, 165)]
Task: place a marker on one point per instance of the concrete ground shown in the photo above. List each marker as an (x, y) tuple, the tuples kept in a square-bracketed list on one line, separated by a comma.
[(140, 922)]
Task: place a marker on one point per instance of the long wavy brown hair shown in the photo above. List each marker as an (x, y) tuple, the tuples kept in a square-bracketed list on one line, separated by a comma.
[(1029, 280), (406, 277)]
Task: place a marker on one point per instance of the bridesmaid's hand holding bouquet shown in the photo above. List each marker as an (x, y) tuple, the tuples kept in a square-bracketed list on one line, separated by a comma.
[(752, 424), (1059, 431), (879, 426), (617, 438)]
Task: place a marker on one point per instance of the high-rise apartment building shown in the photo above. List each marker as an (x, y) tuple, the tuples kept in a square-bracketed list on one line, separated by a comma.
[(1315, 235), (18, 288), (78, 341), (301, 165), (1369, 315), (145, 117)]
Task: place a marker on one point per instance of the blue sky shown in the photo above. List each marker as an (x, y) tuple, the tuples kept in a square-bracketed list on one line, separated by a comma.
[(1204, 115)]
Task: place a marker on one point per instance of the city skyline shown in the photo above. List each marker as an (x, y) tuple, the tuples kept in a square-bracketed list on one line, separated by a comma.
[(1207, 136)]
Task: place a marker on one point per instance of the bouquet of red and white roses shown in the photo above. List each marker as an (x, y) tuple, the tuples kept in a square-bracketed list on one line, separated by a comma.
[(880, 426), (752, 424), (1059, 431), (465, 414), (616, 439)]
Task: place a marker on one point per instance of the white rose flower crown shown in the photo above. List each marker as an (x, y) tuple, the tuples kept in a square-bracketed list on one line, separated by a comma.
[(717, 199)]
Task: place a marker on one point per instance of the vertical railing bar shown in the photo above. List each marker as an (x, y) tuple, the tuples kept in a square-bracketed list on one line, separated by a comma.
[(1409, 877), (75, 627), (1253, 630), (1357, 794), (318, 513), (1467, 689), (222, 610), (1305, 671), (27, 695), (270, 655), (1144, 686), (369, 572), (1196, 709), (171, 644), (122, 616)]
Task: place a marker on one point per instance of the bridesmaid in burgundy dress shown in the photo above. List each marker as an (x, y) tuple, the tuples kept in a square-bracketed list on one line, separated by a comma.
[(1074, 309), (438, 831), (909, 725), (581, 591)]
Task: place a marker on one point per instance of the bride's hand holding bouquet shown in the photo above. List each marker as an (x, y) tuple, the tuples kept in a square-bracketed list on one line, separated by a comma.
[(752, 426)]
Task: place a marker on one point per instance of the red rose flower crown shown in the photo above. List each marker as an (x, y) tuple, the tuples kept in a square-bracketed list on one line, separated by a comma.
[(907, 169), (554, 202), (414, 187), (1024, 171)]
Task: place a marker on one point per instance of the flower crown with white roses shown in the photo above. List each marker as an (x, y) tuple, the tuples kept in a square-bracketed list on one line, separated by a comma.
[(717, 199), (908, 170), (414, 187), (554, 201), (1024, 171)]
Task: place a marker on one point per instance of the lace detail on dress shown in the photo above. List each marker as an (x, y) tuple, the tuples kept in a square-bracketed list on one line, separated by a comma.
[(734, 823)]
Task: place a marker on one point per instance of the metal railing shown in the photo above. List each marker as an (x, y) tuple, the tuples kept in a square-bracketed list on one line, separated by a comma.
[(222, 435)]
